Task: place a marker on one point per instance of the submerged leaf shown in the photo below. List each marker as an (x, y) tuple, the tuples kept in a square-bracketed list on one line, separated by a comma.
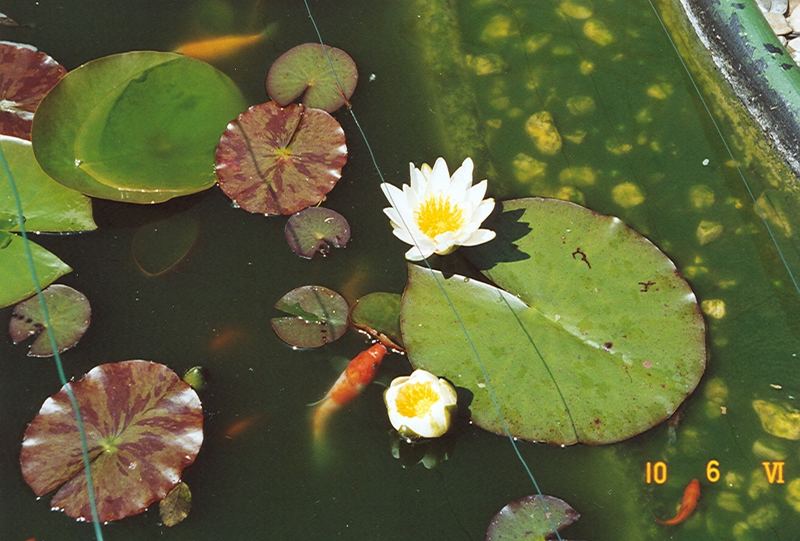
[(143, 426), (195, 377), (137, 127), (159, 246), (325, 76), (279, 160), (319, 316), (594, 339), (69, 312), (531, 517), (378, 314), (315, 230), (175, 507), (27, 75)]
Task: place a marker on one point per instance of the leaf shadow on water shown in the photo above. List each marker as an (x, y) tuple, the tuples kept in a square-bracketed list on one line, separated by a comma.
[(503, 249)]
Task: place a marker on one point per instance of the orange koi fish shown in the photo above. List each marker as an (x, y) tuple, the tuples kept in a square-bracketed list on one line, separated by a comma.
[(240, 426), (359, 373), (689, 501), (212, 49)]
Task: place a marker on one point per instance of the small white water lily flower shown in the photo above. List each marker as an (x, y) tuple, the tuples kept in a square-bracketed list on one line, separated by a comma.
[(420, 405), (437, 212)]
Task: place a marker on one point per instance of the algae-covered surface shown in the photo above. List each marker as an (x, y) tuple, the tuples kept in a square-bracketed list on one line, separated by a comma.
[(552, 98)]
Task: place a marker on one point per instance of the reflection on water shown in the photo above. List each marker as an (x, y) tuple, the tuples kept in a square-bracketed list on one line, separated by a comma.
[(554, 98)]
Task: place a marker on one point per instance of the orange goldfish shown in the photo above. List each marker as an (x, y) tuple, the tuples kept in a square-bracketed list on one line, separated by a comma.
[(359, 373), (689, 501), (220, 47), (240, 426)]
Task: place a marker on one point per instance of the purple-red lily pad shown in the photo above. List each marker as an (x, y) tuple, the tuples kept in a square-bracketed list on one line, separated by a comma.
[(317, 316), (26, 76), (143, 427), (316, 229), (70, 314), (280, 160), (531, 517), (325, 76)]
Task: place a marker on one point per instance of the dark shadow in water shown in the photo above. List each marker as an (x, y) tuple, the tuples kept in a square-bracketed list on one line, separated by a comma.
[(502, 249)]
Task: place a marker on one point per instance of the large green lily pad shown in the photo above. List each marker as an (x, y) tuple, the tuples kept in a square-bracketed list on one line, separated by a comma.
[(378, 314), (139, 127), (279, 160), (17, 281), (70, 314), (595, 339), (530, 518), (144, 425)]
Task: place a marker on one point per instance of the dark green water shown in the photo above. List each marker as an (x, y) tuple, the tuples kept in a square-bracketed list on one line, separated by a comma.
[(644, 144)]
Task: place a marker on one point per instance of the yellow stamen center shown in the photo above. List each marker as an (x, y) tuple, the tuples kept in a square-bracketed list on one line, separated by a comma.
[(438, 215), (416, 399)]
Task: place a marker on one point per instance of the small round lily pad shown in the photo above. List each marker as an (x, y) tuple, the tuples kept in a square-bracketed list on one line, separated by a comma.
[(317, 316), (531, 517), (70, 314), (279, 160), (26, 77), (316, 229), (175, 507), (325, 76), (143, 427)]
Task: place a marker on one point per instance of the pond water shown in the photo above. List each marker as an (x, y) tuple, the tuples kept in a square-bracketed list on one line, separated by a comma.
[(637, 143)]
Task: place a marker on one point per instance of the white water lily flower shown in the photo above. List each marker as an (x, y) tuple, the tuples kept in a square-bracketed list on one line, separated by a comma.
[(438, 212), (420, 405)]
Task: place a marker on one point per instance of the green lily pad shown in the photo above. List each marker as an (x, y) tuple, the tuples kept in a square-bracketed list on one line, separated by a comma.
[(17, 281), (316, 229), (47, 205), (138, 127), (159, 246), (175, 507), (27, 76), (305, 71), (280, 160), (531, 517), (318, 316), (619, 338), (70, 314), (378, 314), (143, 425)]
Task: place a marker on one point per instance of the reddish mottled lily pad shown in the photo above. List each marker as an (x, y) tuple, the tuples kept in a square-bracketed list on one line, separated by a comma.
[(325, 76), (280, 160), (531, 517), (70, 314), (143, 427), (27, 75), (317, 316), (315, 230)]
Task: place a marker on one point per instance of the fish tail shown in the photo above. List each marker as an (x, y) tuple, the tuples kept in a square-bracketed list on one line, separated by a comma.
[(319, 419)]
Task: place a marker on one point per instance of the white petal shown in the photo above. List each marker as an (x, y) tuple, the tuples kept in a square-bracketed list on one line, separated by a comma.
[(482, 212), (462, 177), (397, 199), (417, 179), (476, 193), (412, 201), (440, 176), (393, 216), (403, 234), (424, 251), (479, 237)]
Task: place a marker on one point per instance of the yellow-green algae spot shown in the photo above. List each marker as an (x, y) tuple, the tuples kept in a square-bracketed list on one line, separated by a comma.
[(486, 64), (779, 420), (580, 175), (701, 196), (577, 9), (494, 123), (527, 168), (586, 67), (542, 130), (597, 31), (764, 517), (644, 116), (730, 501), (580, 105), (576, 137), (762, 449), (514, 112), (708, 231), (500, 103), (499, 27), (627, 195), (793, 494), (758, 484), (773, 214), (617, 147), (570, 193), (659, 91), (734, 479), (562, 50), (536, 42), (714, 308)]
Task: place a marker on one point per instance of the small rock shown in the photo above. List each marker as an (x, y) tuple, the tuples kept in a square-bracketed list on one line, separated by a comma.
[(764, 5), (793, 44), (779, 6), (778, 24), (794, 20), (782, 40), (792, 5)]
